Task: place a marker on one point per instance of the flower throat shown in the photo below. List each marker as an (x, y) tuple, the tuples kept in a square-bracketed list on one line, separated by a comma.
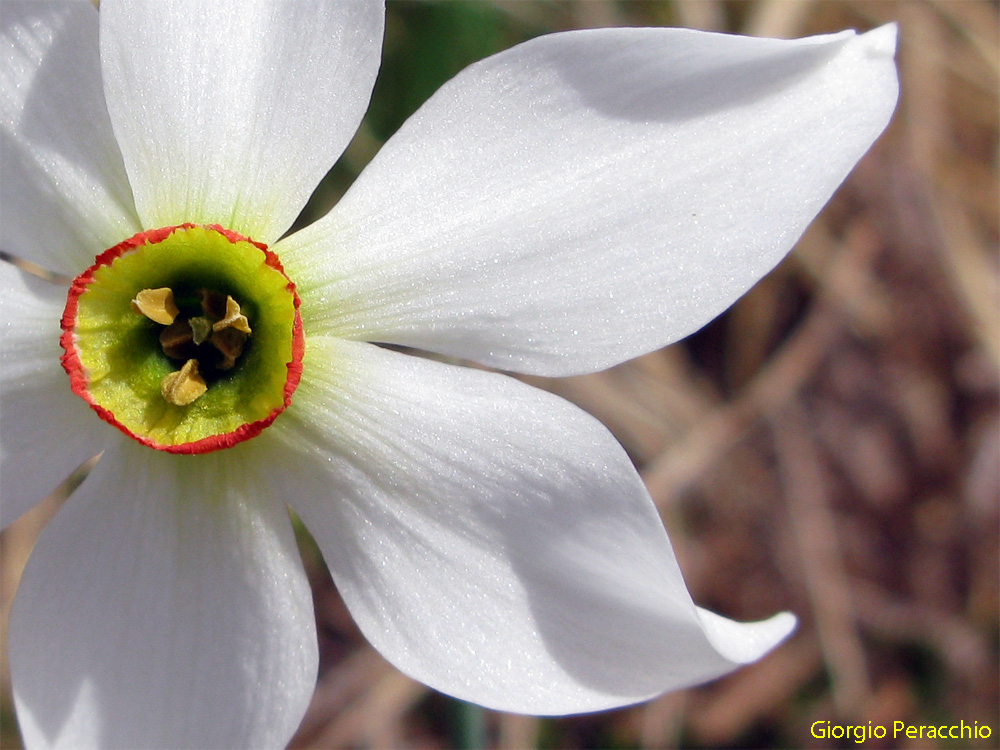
[(186, 338)]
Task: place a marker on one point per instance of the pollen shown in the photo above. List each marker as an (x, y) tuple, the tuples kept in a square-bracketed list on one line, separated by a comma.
[(185, 386), (157, 305), (233, 319)]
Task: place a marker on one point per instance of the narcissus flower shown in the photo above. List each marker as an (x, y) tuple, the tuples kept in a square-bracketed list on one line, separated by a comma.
[(555, 209)]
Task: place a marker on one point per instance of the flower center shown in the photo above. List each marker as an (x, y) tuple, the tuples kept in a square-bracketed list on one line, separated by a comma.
[(211, 340), (187, 338)]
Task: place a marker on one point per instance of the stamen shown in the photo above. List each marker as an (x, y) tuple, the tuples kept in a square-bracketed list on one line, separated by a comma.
[(233, 318), (157, 305), (221, 324), (177, 341), (184, 386), (213, 304), (229, 343)]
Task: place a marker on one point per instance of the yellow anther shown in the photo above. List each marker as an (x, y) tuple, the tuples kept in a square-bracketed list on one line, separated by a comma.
[(233, 319), (184, 386), (157, 305)]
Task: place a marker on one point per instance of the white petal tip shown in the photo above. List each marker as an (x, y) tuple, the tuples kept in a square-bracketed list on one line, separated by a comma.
[(881, 42), (744, 642)]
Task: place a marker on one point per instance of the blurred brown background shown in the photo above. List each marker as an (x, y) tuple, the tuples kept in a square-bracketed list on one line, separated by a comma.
[(830, 446)]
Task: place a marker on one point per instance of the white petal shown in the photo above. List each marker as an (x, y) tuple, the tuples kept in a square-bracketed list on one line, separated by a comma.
[(492, 540), (164, 606), (46, 431), (231, 111), (590, 196), (64, 192)]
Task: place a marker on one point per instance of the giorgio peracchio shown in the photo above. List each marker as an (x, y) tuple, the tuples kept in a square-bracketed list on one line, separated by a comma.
[(823, 729)]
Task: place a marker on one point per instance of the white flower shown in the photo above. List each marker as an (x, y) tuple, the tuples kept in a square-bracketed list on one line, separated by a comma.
[(556, 209)]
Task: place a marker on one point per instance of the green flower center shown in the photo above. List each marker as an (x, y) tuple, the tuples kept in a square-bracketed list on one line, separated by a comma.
[(186, 338)]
